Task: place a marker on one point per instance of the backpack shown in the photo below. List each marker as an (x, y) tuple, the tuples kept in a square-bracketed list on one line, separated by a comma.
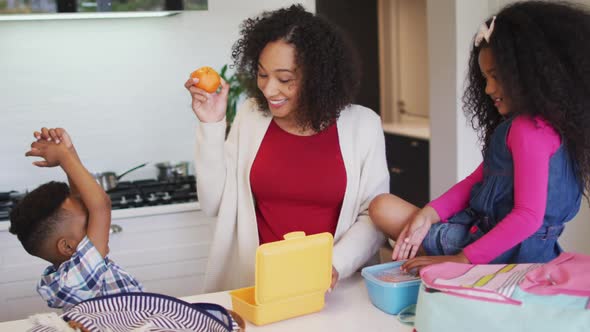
[(506, 297)]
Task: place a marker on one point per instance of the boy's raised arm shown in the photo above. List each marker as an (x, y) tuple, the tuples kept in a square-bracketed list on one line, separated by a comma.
[(59, 150)]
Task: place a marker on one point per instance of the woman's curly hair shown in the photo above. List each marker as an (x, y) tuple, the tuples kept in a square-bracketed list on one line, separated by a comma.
[(542, 60), (328, 62)]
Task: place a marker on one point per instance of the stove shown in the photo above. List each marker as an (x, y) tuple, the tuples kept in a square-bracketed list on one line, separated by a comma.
[(5, 207), (7, 201), (129, 194), (152, 192)]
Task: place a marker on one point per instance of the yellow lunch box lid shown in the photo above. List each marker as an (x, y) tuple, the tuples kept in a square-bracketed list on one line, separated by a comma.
[(295, 266)]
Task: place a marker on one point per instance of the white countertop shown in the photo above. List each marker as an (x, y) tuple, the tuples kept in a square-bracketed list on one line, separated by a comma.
[(411, 127), (347, 308), (138, 212)]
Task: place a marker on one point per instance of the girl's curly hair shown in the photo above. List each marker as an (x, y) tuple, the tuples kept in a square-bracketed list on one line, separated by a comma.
[(542, 60), (329, 65)]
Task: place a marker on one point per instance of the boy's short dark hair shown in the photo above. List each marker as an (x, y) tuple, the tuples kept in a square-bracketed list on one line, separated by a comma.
[(35, 217)]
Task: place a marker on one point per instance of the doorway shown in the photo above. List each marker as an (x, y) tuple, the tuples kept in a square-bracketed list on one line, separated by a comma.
[(403, 58)]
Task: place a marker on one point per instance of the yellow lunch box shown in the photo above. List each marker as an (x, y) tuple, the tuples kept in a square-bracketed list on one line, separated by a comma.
[(292, 277)]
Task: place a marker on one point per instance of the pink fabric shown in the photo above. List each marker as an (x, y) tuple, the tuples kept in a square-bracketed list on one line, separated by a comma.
[(567, 274), (532, 142), (489, 282)]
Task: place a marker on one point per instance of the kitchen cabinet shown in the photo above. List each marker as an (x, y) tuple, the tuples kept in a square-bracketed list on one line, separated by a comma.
[(408, 163), (359, 21), (164, 247)]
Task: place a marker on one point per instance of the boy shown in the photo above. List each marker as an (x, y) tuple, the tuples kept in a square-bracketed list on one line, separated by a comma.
[(68, 227)]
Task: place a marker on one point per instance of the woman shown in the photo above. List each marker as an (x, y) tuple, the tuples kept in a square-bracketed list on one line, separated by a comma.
[(299, 156)]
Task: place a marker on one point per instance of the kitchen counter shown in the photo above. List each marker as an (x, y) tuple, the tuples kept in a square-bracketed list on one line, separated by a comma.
[(138, 212), (410, 127), (347, 308)]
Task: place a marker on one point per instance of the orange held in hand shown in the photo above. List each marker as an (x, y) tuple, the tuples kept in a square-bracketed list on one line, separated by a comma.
[(209, 79)]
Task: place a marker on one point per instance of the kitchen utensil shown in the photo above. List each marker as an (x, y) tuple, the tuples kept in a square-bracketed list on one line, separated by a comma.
[(170, 172), (182, 168), (109, 180), (165, 171)]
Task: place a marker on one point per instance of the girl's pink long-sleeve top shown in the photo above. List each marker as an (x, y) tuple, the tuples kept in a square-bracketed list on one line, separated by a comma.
[(532, 142)]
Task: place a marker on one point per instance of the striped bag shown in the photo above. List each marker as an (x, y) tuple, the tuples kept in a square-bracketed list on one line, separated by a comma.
[(141, 312)]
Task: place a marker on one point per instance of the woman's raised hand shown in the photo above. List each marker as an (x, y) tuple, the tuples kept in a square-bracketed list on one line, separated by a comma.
[(208, 107)]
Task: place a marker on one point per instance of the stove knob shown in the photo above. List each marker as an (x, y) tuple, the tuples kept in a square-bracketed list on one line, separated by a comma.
[(167, 196), (123, 200), (152, 197), (138, 199)]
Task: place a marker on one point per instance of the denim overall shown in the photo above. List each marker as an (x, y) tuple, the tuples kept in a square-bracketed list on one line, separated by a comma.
[(493, 198)]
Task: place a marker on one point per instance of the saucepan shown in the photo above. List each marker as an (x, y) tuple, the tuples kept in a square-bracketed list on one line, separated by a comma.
[(170, 172), (109, 180)]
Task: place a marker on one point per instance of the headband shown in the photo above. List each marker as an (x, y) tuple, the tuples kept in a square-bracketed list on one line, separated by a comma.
[(484, 32)]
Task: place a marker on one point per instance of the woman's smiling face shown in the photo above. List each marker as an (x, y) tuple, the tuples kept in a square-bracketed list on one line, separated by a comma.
[(279, 80)]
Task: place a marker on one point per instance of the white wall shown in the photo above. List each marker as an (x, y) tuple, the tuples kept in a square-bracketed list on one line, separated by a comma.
[(470, 14), (443, 108), (116, 85), (454, 153), (577, 231)]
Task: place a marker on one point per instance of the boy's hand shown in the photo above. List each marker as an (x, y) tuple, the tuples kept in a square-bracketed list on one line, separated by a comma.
[(57, 135), (53, 153)]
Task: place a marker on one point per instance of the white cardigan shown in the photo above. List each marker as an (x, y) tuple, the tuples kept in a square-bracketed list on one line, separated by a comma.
[(223, 184)]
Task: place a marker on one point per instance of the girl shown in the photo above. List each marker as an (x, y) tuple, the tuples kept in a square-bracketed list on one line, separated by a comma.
[(299, 156), (528, 95)]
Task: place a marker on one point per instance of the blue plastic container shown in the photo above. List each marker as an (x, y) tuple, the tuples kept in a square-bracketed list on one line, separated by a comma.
[(390, 297)]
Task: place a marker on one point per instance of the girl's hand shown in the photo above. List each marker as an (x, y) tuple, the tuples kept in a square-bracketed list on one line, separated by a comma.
[(413, 233), (208, 107), (422, 261)]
